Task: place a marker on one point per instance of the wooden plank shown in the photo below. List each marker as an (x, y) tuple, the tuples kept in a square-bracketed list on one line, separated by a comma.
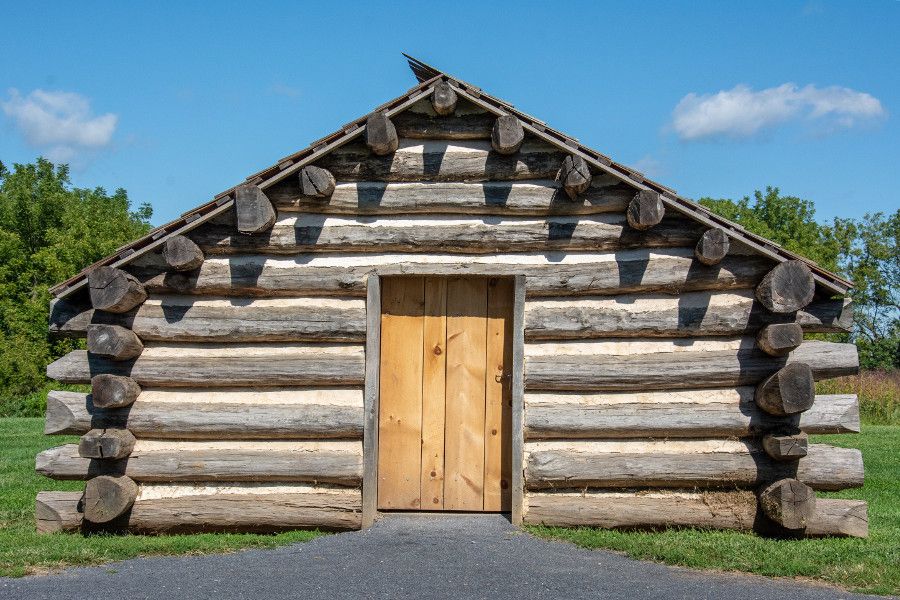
[(370, 399), (498, 395), (464, 442), (517, 441), (400, 404), (434, 393)]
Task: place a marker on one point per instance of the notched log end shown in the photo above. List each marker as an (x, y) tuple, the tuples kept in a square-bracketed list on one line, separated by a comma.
[(788, 502)]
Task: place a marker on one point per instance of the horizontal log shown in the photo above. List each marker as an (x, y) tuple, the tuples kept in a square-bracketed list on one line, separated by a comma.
[(215, 508), (553, 274), (106, 443), (280, 365), (233, 415), (114, 290), (737, 510), (787, 288), (687, 414), (704, 313), (338, 462), (681, 370), (106, 498), (444, 234), (541, 197), (462, 126), (683, 463)]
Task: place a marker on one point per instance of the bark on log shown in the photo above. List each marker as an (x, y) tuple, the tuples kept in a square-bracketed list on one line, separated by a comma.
[(313, 233), (257, 418), (677, 463), (689, 414), (645, 210), (381, 135), (712, 247), (661, 315), (114, 290), (788, 391), (113, 391), (788, 502), (181, 254), (786, 288), (786, 447), (107, 444), (779, 339), (253, 211), (56, 512), (106, 498), (507, 135), (737, 510), (575, 176), (443, 99), (681, 370), (315, 182), (335, 462), (113, 342), (199, 368)]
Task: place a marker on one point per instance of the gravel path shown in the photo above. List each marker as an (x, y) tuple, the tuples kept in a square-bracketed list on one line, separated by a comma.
[(408, 556)]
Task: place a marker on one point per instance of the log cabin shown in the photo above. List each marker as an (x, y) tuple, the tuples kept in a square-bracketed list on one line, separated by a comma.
[(446, 305)]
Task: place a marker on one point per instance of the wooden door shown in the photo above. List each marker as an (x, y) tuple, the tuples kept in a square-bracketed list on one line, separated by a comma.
[(444, 426)]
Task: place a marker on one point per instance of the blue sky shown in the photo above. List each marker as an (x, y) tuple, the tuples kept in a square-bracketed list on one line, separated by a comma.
[(712, 98)]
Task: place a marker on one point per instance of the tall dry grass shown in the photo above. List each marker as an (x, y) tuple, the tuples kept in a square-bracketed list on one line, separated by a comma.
[(878, 392)]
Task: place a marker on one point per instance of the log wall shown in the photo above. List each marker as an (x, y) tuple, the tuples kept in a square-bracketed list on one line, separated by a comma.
[(641, 363)]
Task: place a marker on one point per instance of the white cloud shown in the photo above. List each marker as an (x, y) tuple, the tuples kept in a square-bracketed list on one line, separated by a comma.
[(59, 123), (742, 112)]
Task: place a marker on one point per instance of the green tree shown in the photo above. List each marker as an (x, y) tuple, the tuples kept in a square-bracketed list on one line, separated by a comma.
[(49, 230)]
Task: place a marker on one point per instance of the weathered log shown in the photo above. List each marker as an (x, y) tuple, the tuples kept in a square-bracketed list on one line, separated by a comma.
[(113, 391), (56, 512), (181, 254), (465, 124), (645, 210), (786, 447), (233, 415), (683, 463), (662, 315), (315, 182), (113, 342), (381, 135), (575, 176), (788, 391), (314, 233), (682, 370), (673, 414), (788, 502), (106, 498), (779, 339), (114, 290), (242, 367), (108, 444), (712, 247), (253, 211), (330, 461), (786, 288), (443, 98), (664, 509), (507, 135)]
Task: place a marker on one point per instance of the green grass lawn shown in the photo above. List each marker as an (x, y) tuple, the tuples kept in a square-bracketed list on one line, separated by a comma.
[(23, 551), (866, 565)]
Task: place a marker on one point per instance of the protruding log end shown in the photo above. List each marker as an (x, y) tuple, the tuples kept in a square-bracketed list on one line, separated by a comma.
[(575, 176), (443, 99), (787, 288), (111, 444), (57, 511), (507, 135), (316, 182), (113, 341), (253, 210), (113, 391), (114, 290), (645, 210), (182, 254), (786, 447), (779, 339), (789, 391), (106, 498), (381, 135), (712, 247), (788, 502)]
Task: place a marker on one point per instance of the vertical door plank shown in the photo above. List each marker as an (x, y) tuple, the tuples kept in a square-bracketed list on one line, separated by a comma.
[(433, 392), (464, 444), (400, 410), (498, 396)]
